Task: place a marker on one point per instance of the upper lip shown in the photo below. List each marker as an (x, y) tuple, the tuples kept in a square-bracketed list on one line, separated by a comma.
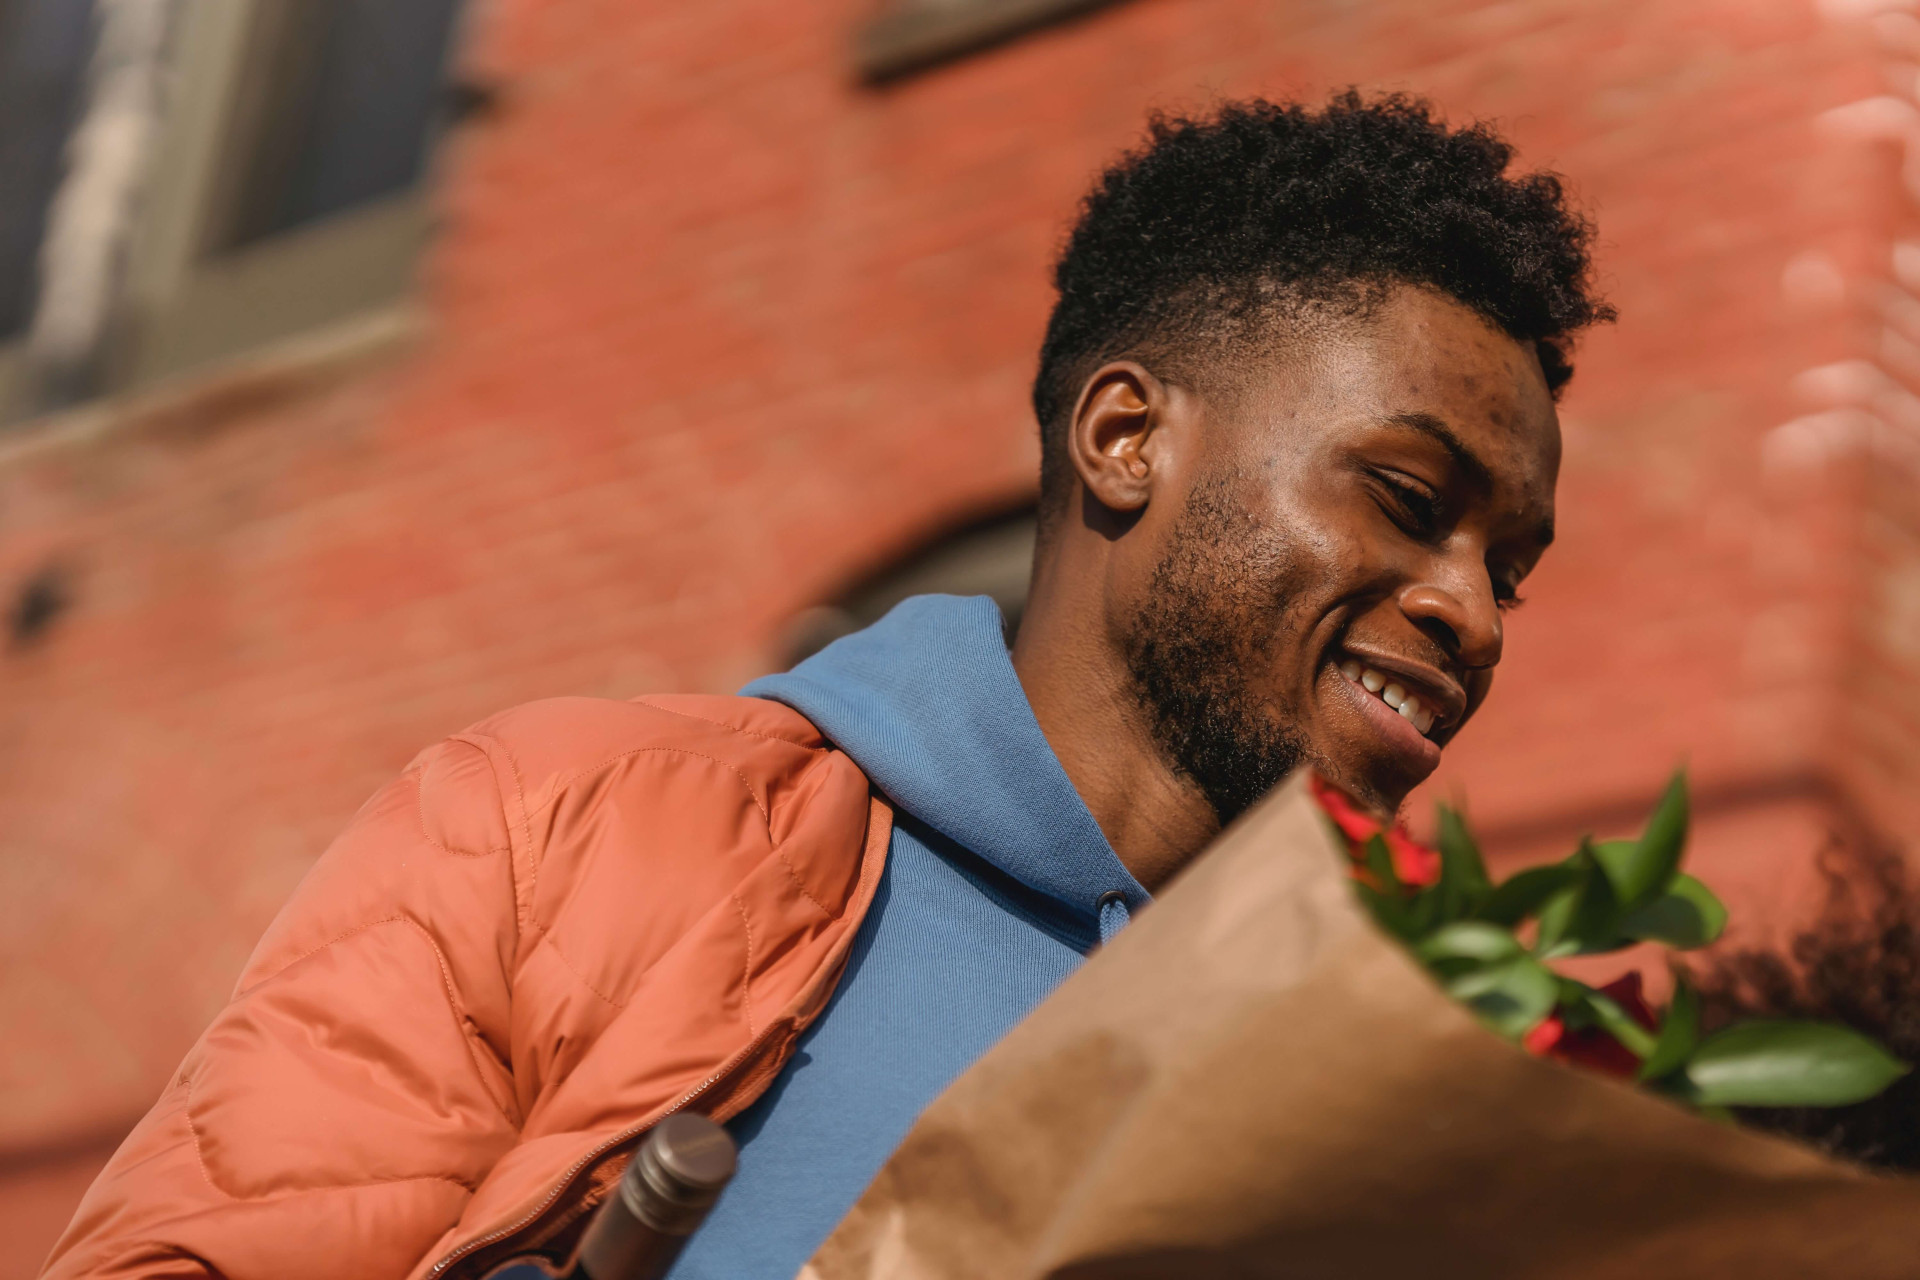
[(1439, 692)]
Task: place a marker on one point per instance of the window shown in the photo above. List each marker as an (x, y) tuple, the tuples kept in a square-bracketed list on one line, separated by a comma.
[(992, 556), (333, 109), (284, 193), (44, 45), (911, 35)]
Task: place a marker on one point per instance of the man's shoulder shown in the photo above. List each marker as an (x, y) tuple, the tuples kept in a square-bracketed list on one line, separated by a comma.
[(554, 743)]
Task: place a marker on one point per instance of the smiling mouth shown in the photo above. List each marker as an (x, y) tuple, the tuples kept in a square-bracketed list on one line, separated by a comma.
[(1392, 692)]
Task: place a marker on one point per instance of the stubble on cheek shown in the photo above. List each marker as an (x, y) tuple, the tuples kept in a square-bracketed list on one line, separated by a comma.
[(1212, 650)]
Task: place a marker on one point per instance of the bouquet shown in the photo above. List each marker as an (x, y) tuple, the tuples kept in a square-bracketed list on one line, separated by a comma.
[(1489, 945), (1284, 1067)]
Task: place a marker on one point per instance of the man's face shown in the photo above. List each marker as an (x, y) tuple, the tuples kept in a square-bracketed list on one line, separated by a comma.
[(1328, 583)]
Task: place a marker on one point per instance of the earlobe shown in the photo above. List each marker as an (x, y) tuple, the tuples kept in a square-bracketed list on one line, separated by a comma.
[(1109, 441)]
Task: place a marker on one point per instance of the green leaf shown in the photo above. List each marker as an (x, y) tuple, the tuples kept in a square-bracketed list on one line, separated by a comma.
[(1463, 872), (1522, 894), (1679, 1034), (1380, 863), (1556, 915), (1511, 996), (1688, 915), (1572, 999), (1389, 910), (1640, 872), (1620, 1024), (1473, 940), (1614, 857), (1583, 918), (1430, 909), (1788, 1064)]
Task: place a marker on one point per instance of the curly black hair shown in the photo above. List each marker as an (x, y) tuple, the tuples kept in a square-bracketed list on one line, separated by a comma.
[(1217, 222), (1858, 964)]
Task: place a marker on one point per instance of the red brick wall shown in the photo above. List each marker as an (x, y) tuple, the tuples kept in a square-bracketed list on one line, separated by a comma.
[(708, 328)]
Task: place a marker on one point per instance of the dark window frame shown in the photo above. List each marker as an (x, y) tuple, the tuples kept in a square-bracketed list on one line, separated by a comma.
[(915, 35), (45, 97), (192, 298)]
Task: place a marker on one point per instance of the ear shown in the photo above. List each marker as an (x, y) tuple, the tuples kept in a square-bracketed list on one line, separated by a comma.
[(1114, 441)]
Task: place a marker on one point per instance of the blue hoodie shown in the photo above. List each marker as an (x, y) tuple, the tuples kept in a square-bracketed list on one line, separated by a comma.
[(998, 882)]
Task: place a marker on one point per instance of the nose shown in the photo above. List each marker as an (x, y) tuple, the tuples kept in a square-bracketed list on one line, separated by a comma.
[(1459, 613)]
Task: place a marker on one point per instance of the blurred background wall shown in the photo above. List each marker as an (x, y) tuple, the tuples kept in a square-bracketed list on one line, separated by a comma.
[(369, 365)]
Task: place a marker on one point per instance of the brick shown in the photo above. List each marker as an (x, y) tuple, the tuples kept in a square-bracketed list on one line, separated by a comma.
[(711, 329)]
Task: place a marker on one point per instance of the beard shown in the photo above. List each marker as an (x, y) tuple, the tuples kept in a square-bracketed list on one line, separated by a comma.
[(1216, 605)]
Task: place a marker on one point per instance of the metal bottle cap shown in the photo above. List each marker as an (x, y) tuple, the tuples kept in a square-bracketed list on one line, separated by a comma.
[(678, 1172)]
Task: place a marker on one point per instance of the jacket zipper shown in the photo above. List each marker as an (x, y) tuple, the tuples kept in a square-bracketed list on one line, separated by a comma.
[(494, 1237)]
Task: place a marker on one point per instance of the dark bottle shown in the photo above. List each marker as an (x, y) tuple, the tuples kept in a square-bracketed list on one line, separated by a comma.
[(676, 1175)]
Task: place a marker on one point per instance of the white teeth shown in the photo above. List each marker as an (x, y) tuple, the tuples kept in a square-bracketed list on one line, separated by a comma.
[(1395, 695)]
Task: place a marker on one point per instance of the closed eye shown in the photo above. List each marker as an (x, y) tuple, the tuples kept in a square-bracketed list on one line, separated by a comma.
[(1506, 588), (1413, 506)]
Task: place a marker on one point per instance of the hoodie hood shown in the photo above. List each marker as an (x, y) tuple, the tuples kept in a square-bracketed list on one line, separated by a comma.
[(926, 702)]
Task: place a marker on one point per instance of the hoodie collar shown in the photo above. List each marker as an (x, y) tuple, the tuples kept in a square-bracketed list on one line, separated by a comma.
[(926, 702)]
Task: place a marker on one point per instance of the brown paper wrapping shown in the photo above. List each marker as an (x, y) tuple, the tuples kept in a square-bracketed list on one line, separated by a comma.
[(1253, 1081)]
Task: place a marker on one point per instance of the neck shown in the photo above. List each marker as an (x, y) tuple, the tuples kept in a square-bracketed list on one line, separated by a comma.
[(1074, 674)]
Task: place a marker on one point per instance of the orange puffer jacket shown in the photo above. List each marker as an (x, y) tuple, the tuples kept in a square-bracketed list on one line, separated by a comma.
[(554, 929)]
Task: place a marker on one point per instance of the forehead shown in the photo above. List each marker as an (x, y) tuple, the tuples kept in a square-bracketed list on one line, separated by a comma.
[(1417, 355)]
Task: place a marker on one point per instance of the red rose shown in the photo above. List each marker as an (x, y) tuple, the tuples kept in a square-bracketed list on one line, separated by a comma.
[(1415, 864), (1592, 1047), (1356, 825)]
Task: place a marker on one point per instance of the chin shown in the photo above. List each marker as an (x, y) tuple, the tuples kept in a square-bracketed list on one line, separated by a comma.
[(1381, 790)]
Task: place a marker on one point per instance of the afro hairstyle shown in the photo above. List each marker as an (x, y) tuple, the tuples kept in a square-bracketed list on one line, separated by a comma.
[(1221, 223)]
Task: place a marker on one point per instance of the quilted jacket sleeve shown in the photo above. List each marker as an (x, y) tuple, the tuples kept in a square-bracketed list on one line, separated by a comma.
[(336, 1116)]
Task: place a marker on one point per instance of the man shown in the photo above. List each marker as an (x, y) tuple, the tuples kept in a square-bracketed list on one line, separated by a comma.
[(1299, 451)]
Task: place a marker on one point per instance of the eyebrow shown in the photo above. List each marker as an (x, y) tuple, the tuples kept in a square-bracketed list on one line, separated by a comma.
[(1464, 458)]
